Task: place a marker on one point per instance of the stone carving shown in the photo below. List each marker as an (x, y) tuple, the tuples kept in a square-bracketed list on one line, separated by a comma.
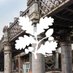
[(48, 5), (14, 29), (5, 29), (29, 1), (5, 40)]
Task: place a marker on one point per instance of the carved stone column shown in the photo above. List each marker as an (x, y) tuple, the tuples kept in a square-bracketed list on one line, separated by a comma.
[(38, 65), (57, 59), (30, 60), (66, 56), (7, 52), (19, 64)]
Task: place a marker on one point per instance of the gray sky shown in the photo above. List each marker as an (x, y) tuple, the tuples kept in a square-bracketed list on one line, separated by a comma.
[(10, 9)]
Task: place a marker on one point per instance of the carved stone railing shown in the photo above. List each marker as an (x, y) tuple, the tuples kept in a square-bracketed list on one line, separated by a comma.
[(14, 29), (47, 7)]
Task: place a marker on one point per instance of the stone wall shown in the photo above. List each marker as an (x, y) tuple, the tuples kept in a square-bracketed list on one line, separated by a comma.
[(1, 72), (53, 72)]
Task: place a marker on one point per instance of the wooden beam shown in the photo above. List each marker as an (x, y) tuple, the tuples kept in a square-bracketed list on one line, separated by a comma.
[(63, 18), (70, 10)]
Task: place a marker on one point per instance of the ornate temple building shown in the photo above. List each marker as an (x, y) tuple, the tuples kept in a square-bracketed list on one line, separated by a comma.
[(16, 61)]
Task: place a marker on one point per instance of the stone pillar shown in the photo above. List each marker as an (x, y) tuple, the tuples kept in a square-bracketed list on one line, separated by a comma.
[(38, 65), (30, 60), (19, 64), (57, 59), (7, 59), (7, 52), (66, 57)]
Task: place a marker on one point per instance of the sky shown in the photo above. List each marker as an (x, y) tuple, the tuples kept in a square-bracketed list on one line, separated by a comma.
[(10, 9)]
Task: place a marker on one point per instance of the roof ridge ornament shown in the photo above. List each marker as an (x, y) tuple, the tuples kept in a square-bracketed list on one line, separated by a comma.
[(5, 29)]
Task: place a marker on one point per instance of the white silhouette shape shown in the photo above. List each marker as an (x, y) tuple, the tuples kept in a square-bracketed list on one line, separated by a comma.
[(28, 27)]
